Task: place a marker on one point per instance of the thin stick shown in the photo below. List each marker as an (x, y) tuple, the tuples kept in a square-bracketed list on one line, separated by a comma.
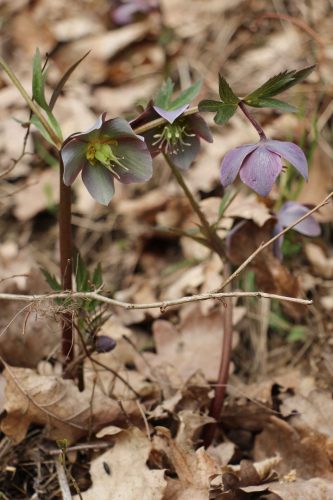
[(269, 242), (62, 480), (163, 305), (30, 103)]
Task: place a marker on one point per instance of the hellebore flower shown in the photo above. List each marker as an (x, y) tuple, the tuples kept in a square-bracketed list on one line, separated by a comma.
[(289, 213), (260, 164), (107, 151), (179, 138), (125, 13)]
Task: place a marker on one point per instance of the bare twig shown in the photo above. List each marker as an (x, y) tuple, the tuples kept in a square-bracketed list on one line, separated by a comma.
[(63, 483), (269, 242), (163, 305)]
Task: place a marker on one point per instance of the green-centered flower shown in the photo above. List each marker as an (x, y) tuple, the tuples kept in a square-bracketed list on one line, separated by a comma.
[(109, 150), (179, 138)]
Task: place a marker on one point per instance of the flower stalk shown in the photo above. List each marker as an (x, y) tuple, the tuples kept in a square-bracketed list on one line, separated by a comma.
[(224, 369)]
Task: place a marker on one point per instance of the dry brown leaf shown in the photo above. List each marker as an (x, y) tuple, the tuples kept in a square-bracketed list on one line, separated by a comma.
[(194, 345), (57, 404), (321, 264), (314, 411), (193, 468), (313, 489), (41, 193), (121, 473)]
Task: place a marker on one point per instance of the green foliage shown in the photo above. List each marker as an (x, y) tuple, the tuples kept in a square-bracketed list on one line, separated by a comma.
[(262, 96), (226, 107), (163, 97), (38, 94)]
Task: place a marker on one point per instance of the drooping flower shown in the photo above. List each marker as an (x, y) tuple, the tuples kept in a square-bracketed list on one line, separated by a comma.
[(289, 213), (126, 12), (260, 164), (178, 138), (109, 150)]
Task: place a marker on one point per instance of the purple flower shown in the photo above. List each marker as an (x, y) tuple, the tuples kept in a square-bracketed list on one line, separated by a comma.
[(260, 164), (126, 12), (108, 150), (289, 213), (178, 138)]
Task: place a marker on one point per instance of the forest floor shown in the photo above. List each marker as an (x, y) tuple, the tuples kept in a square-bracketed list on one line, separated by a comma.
[(134, 431)]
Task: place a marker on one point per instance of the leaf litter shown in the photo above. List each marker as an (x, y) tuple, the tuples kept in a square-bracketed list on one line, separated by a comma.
[(142, 438)]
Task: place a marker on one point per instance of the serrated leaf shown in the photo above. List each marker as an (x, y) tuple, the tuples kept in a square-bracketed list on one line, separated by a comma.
[(224, 113), (209, 105), (163, 96), (81, 275), (271, 103), (38, 81), (186, 96), (226, 93), (60, 85), (97, 278), (278, 83), (51, 280)]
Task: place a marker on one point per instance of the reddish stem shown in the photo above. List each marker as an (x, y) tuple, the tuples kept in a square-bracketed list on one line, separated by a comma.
[(65, 240), (253, 121), (223, 376)]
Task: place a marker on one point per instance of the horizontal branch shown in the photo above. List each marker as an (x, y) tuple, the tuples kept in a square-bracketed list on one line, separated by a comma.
[(269, 242), (163, 305)]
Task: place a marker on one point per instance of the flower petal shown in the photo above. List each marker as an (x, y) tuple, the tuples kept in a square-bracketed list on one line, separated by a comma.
[(99, 182), (232, 162), (184, 157), (199, 127), (73, 157), (291, 211), (170, 115), (260, 170), (292, 153), (117, 128), (135, 157)]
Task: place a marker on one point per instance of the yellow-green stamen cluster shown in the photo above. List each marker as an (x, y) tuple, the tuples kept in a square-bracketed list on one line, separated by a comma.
[(172, 138), (101, 152)]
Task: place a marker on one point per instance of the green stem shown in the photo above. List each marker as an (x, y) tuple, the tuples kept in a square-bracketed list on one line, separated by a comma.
[(216, 245), (30, 103)]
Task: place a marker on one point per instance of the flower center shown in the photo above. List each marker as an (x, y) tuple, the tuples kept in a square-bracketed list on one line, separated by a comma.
[(172, 138), (101, 152)]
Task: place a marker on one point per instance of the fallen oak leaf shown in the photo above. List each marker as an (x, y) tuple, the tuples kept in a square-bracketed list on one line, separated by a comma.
[(121, 472), (57, 404)]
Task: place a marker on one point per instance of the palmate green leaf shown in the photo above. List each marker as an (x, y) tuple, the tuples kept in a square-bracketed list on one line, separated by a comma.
[(163, 96), (81, 275), (51, 280), (97, 278), (38, 81), (186, 96), (224, 113), (271, 103), (278, 83), (209, 105), (226, 93)]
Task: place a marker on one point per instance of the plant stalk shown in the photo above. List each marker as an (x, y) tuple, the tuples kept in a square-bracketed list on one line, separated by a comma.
[(66, 264), (216, 245), (253, 121)]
